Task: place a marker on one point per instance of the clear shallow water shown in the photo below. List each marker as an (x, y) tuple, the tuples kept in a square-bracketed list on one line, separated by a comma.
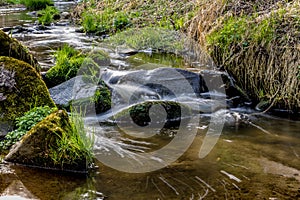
[(246, 163), (256, 160)]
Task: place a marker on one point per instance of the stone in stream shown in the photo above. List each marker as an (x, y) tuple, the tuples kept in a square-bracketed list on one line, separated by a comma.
[(21, 88), (169, 114), (166, 83), (80, 91), (42, 146), (12, 48)]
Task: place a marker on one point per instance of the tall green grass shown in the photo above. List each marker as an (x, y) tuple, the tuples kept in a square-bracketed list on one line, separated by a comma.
[(74, 145)]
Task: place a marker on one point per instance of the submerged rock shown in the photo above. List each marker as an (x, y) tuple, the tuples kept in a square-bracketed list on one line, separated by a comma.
[(12, 48), (169, 113), (80, 91), (21, 88), (41, 145)]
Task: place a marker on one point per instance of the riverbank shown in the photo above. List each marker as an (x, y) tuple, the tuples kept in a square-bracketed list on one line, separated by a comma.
[(257, 43)]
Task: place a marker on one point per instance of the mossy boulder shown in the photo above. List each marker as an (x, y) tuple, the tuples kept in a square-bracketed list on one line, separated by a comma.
[(21, 88), (140, 113), (40, 146), (10, 47)]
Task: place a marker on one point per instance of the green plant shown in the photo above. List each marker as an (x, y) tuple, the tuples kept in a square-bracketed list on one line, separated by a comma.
[(68, 61), (73, 145), (157, 39), (120, 21), (104, 22), (89, 22), (37, 4), (24, 124), (48, 15)]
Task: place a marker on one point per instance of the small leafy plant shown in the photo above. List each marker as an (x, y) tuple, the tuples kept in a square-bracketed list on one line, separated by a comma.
[(24, 124), (48, 15)]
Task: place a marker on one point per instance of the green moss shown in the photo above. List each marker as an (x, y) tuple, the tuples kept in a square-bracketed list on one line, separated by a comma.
[(28, 91), (56, 142), (140, 113), (100, 102), (12, 48)]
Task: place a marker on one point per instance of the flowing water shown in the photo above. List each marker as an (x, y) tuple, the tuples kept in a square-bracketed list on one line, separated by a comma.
[(255, 157)]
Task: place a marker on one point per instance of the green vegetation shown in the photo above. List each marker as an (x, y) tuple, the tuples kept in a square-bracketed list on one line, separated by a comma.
[(21, 88), (12, 48), (106, 22), (157, 39), (24, 124), (68, 62), (260, 50), (72, 145), (48, 15), (111, 16), (58, 142), (37, 4), (99, 102)]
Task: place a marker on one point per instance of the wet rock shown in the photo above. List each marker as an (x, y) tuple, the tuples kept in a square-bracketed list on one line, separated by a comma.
[(33, 13), (164, 82), (12, 48), (79, 30), (16, 190), (235, 96), (80, 91), (6, 29), (167, 112), (22, 87), (39, 146), (5, 127), (65, 15), (62, 23)]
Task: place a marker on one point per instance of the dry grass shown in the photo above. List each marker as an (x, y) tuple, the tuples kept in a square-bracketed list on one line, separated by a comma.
[(267, 68)]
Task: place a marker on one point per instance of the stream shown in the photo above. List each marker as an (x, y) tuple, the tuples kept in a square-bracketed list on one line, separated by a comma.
[(243, 155)]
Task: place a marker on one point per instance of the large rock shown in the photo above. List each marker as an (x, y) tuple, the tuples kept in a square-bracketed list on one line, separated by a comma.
[(10, 47), (21, 88), (41, 146), (81, 91), (170, 83)]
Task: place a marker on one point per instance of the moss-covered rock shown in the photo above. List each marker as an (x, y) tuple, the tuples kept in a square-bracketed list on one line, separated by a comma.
[(42, 145), (21, 88), (140, 115), (10, 47)]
